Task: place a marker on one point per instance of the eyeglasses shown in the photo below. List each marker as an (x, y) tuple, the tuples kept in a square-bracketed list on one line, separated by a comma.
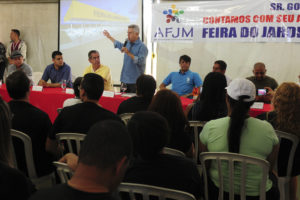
[(262, 73)]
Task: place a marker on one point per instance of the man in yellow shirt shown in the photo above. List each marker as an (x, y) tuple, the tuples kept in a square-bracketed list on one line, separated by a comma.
[(96, 67)]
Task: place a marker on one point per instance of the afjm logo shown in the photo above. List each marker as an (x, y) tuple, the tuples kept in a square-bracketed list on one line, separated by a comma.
[(173, 14)]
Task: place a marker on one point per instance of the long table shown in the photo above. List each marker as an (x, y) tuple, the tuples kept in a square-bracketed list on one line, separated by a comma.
[(52, 98)]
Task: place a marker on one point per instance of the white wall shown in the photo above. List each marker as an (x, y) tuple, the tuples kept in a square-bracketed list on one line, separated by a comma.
[(38, 24)]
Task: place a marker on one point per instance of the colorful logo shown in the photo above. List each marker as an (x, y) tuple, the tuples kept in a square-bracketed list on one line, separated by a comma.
[(173, 14)]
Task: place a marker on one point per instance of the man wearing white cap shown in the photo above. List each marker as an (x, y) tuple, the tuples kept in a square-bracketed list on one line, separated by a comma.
[(239, 133)]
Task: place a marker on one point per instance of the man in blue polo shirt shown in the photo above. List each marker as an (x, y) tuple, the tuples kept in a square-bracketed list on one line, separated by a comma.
[(56, 72), (184, 81)]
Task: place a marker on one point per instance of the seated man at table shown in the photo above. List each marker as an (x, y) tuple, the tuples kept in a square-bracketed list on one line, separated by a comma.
[(220, 66), (57, 72), (145, 89), (30, 120), (80, 117), (261, 81), (98, 68), (102, 163), (19, 64), (184, 81)]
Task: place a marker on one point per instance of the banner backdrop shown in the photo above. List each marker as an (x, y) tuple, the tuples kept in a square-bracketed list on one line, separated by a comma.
[(227, 21)]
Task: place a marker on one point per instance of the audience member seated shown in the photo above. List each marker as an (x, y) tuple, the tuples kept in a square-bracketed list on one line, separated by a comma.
[(13, 184), (103, 160), (76, 99), (211, 103), (168, 104), (19, 64), (184, 81), (149, 132), (80, 117), (285, 117), (145, 86), (98, 68), (30, 120), (3, 60), (261, 81), (220, 66), (16, 44), (57, 72), (241, 134)]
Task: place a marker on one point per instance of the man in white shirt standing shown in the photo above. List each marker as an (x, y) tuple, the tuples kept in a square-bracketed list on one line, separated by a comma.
[(16, 44)]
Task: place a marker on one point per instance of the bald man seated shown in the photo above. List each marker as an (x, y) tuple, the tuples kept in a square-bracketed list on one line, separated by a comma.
[(262, 81)]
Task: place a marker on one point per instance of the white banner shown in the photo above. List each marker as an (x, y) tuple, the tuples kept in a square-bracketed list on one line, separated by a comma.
[(227, 21)]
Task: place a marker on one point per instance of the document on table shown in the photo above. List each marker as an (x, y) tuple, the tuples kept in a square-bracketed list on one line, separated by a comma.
[(258, 105)]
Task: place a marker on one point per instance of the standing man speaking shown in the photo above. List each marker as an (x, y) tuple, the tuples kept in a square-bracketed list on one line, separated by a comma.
[(134, 58)]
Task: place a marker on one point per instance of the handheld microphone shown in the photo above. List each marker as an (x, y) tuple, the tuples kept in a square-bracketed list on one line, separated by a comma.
[(125, 43)]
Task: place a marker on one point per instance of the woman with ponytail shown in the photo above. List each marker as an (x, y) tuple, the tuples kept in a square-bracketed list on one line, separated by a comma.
[(242, 134)]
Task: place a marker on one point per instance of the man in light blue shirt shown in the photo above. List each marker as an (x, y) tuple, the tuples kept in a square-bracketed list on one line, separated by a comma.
[(134, 58), (184, 81)]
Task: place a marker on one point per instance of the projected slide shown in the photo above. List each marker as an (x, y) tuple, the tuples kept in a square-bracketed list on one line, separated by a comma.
[(82, 23)]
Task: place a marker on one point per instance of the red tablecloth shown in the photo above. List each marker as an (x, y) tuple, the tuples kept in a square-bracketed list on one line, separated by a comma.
[(52, 98), (254, 112)]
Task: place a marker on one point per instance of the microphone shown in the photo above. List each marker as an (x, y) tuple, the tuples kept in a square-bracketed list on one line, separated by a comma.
[(125, 43)]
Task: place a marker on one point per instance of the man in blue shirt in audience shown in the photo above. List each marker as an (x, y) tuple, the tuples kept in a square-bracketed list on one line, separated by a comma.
[(134, 57), (184, 81), (56, 72)]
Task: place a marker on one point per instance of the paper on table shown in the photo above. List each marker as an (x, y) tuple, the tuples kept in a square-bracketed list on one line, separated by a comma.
[(258, 105), (69, 91), (108, 94), (37, 88), (128, 95)]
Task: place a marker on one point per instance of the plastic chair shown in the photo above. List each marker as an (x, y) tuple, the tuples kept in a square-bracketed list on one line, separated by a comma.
[(174, 152), (126, 117), (147, 191), (64, 171), (283, 182), (232, 159), (70, 138), (196, 125), (30, 165)]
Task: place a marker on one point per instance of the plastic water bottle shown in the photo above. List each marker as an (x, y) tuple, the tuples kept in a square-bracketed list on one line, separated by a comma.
[(64, 85)]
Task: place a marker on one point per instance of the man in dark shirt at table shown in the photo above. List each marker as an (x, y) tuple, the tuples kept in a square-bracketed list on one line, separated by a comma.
[(149, 133), (31, 121), (80, 117), (102, 163), (57, 72), (145, 89), (262, 81)]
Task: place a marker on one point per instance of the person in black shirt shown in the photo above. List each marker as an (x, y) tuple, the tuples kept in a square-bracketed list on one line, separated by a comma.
[(149, 132), (13, 184), (31, 121), (167, 103), (102, 163), (145, 89), (80, 117), (211, 104)]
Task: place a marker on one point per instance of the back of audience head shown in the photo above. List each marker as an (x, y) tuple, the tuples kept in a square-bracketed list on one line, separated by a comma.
[(145, 86), (5, 138), (286, 103), (220, 66), (18, 85), (76, 86), (92, 86), (106, 145), (214, 88), (168, 104), (241, 95), (149, 132)]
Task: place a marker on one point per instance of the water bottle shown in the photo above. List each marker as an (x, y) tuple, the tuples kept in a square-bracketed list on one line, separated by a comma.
[(64, 85)]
